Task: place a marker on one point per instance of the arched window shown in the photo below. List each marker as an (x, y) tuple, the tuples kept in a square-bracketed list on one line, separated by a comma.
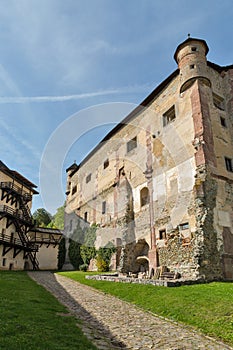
[(144, 196)]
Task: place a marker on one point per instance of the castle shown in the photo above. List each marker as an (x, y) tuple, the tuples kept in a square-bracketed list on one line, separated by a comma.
[(160, 184), (23, 246)]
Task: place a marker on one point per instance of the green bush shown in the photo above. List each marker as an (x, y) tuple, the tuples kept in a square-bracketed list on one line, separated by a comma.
[(83, 267)]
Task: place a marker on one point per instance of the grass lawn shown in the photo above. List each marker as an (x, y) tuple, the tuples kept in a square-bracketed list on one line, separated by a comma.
[(208, 307), (31, 318)]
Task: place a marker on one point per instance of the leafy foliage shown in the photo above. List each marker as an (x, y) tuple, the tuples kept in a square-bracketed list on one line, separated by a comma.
[(88, 250), (104, 255), (42, 217), (61, 253), (74, 254)]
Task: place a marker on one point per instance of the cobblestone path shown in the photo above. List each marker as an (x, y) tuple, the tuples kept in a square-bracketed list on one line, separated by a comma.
[(114, 324)]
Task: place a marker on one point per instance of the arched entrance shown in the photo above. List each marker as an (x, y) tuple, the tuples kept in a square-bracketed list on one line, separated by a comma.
[(141, 256)]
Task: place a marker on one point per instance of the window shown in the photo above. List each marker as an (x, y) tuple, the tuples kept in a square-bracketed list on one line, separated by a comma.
[(103, 207), (4, 262), (144, 196), (194, 49), (85, 215), (106, 163), (219, 102), (74, 189), (192, 66), (88, 178), (223, 122), (169, 116), (228, 163), (184, 226), (12, 236), (132, 144), (162, 234)]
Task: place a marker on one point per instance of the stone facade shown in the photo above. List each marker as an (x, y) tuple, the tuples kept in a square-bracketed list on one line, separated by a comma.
[(22, 245), (160, 184)]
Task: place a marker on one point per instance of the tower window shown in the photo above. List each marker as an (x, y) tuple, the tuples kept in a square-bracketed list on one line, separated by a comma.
[(194, 49), (162, 234), (144, 196), (104, 207), (85, 215), (106, 163), (228, 163), (88, 178), (192, 66), (132, 144), (223, 122), (169, 116)]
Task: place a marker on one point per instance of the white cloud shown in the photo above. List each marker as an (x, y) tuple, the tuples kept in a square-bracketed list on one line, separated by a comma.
[(31, 99)]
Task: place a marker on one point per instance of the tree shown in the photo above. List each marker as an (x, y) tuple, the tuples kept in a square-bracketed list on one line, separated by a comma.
[(58, 218), (61, 253), (42, 217), (74, 254)]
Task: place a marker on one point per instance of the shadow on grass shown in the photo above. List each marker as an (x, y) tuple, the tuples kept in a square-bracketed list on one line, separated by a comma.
[(91, 327)]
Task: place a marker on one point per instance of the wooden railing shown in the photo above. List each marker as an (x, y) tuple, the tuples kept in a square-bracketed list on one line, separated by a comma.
[(10, 185), (4, 238), (18, 214)]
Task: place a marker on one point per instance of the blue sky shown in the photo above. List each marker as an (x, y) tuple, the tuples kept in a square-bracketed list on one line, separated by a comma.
[(59, 58)]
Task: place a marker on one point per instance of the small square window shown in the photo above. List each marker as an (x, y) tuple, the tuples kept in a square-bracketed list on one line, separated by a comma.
[(228, 163), (223, 122), (88, 178), (132, 144), (192, 66), (162, 234), (184, 226), (103, 207), (194, 49), (169, 116), (106, 163)]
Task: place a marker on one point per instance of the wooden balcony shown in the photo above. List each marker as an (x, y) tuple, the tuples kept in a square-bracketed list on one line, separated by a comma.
[(10, 186)]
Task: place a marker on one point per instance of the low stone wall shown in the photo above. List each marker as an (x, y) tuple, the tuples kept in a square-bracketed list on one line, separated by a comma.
[(159, 283)]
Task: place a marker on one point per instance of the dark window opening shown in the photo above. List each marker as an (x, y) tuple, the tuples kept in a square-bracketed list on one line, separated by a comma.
[(218, 102), (184, 226), (12, 236), (228, 163), (85, 215), (103, 207), (4, 262), (88, 178), (132, 144), (223, 122), (144, 196), (162, 234), (192, 66), (74, 189), (169, 116), (106, 163), (194, 49)]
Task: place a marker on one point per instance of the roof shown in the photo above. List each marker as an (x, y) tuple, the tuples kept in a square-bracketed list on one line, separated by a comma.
[(17, 176), (186, 42), (47, 230)]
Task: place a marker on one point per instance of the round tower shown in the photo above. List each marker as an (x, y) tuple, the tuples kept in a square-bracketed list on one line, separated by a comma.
[(191, 59)]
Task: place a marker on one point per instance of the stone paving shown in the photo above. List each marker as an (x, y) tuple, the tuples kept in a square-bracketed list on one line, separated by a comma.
[(111, 323)]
